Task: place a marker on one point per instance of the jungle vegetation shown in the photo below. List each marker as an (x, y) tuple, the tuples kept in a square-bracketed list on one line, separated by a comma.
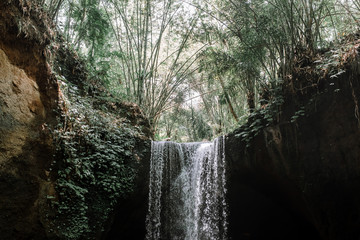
[(198, 68)]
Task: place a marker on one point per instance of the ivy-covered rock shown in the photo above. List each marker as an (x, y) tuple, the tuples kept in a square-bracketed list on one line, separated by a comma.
[(96, 161), (69, 151)]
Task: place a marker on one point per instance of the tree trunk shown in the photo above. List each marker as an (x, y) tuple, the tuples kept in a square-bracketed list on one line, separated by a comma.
[(251, 101), (228, 100)]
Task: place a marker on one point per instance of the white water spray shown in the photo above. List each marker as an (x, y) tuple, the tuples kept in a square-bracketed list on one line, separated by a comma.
[(187, 191)]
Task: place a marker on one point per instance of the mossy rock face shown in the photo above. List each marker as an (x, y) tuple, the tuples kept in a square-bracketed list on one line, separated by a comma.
[(68, 155)]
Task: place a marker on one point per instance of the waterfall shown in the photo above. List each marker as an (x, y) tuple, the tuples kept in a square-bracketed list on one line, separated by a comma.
[(187, 191)]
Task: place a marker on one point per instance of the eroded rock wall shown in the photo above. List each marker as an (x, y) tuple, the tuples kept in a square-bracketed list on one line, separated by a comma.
[(26, 87)]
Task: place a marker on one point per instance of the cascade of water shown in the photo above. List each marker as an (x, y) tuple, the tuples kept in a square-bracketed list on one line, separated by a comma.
[(187, 191)]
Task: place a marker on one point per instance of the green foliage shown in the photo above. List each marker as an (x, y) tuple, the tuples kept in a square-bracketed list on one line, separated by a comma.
[(94, 165), (298, 114), (149, 51), (262, 118), (185, 124)]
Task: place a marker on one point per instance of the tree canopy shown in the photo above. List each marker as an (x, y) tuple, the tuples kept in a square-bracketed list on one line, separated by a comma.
[(198, 68)]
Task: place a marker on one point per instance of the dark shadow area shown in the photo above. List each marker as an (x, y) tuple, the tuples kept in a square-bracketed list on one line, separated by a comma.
[(260, 208), (128, 221)]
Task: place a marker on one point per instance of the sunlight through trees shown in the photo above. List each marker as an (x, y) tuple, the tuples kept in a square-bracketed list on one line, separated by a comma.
[(197, 68)]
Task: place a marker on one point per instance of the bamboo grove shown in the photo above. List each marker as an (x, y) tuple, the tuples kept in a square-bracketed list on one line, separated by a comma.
[(198, 68)]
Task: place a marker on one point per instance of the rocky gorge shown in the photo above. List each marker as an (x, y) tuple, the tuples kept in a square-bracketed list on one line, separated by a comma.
[(292, 175)]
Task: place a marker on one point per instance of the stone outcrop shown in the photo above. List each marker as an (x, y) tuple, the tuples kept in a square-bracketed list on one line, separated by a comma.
[(299, 178)]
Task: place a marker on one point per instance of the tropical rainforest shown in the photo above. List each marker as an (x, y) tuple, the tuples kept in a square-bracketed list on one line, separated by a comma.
[(198, 69), (87, 85)]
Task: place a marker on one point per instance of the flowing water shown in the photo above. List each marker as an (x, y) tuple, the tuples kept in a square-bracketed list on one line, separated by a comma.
[(187, 191)]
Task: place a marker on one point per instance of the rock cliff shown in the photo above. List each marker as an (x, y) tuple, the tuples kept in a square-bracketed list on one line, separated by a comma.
[(299, 175), (28, 95), (46, 191)]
